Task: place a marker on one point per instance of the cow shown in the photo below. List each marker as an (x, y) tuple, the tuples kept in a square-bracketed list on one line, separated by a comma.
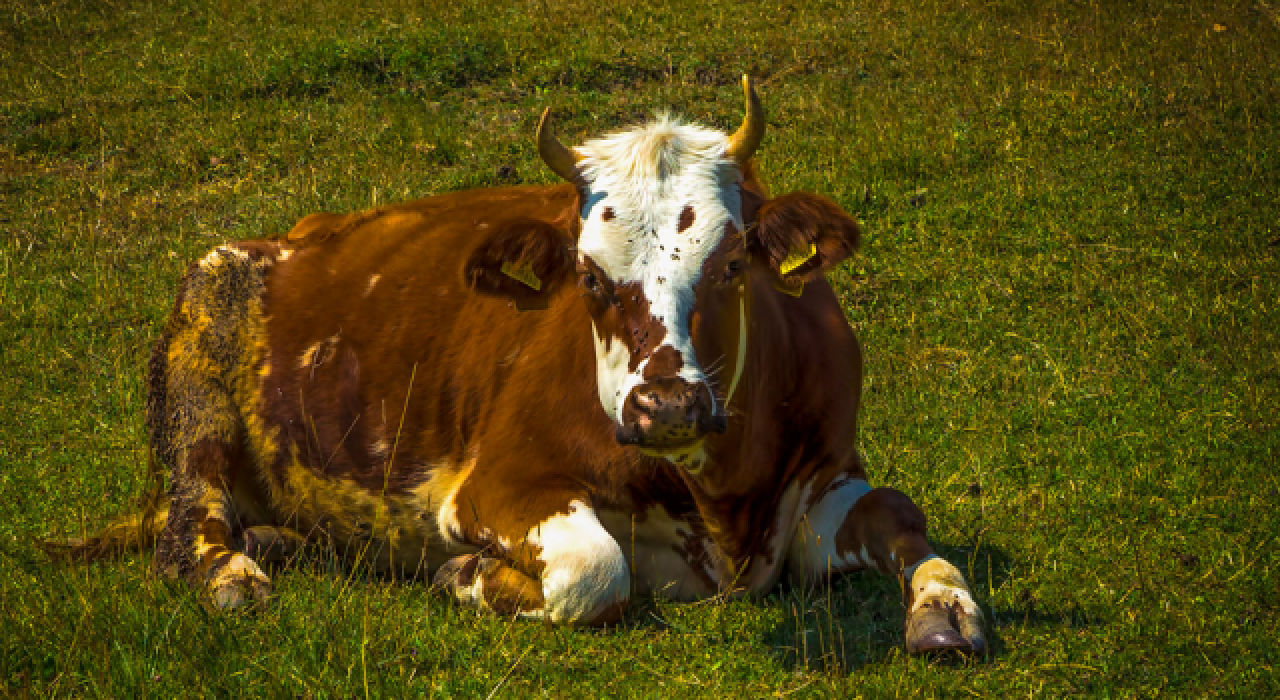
[(553, 398)]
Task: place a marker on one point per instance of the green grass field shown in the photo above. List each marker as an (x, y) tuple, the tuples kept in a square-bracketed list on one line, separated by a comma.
[(1069, 295)]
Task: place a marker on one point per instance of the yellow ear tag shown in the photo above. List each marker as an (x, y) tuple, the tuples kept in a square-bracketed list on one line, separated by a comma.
[(522, 273), (796, 258)]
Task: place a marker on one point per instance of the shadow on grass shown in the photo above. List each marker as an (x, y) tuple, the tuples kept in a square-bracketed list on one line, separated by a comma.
[(859, 619), (854, 621)]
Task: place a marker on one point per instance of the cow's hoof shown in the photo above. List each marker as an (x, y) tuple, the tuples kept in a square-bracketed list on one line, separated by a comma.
[(937, 627), (238, 596), (238, 584), (457, 572), (463, 576)]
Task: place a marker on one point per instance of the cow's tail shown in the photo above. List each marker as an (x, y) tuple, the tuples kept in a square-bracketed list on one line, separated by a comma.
[(134, 532)]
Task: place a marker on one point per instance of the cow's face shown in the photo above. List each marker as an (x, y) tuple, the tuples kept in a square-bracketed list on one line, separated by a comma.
[(668, 233), (660, 259)]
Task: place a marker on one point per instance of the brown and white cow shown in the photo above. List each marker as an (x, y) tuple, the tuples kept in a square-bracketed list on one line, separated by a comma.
[(554, 397)]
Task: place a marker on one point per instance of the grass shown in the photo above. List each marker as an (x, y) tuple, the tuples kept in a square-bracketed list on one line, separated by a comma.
[(1069, 296)]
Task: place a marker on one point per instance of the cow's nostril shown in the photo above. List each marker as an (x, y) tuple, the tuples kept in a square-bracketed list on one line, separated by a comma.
[(627, 434), (668, 411)]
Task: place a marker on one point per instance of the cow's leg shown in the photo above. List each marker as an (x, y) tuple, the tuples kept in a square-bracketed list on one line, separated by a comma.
[(490, 583), (854, 527), (210, 347), (565, 568), (889, 529), (271, 544), (197, 542)]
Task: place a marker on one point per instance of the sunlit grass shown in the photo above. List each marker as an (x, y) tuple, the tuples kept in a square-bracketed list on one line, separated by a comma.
[(1068, 298)]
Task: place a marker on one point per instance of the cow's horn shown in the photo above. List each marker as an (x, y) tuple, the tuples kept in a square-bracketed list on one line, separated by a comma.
[(561, 160), (747, 138)]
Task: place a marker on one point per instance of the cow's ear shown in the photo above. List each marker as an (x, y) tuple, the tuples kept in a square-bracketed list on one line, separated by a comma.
[(800, 235), (525, 260)]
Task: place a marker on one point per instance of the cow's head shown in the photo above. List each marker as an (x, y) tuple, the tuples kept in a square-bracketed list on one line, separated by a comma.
[(670, 228)]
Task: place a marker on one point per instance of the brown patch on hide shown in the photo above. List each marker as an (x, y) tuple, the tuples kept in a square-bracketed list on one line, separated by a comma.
[(665, 362), (686, 219)]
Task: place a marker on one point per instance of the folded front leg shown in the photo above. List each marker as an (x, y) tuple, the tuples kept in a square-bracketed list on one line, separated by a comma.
[(489, 583), (562, 566)]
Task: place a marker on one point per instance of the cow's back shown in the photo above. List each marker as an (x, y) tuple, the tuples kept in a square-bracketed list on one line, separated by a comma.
[(347, 367), (371, 314)]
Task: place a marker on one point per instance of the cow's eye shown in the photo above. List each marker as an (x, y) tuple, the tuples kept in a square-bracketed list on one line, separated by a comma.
[(733, 270), (591, 282)]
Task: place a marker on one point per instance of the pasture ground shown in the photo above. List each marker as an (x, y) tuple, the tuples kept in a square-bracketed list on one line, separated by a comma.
[(1068, 293)]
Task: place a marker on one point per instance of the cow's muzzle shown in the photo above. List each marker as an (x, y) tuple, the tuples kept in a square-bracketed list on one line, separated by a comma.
[(668, 413)]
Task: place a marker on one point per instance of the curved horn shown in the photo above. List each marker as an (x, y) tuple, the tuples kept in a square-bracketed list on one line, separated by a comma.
[(561, 160), (747, 138)]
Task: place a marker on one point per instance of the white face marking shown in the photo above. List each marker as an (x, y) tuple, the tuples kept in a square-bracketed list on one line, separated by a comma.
[(647, 177), (373, 282), (585, 570), (813, 547), (611, 373)]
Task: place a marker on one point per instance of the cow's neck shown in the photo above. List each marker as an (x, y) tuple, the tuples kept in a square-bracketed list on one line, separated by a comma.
[(746, 490)]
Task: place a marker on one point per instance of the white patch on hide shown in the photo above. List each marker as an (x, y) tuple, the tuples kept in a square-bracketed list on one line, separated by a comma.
[(937, 580), (585, 569), (768, 563), (813, 545), (657, 546)]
